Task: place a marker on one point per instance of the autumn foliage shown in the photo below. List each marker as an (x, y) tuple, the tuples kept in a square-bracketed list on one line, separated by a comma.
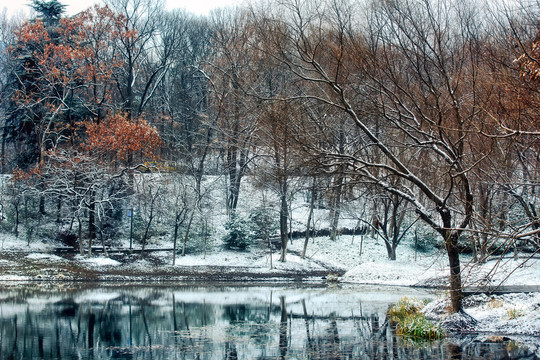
[(120, 137), (70, 76), (75, 56), (529, 61)]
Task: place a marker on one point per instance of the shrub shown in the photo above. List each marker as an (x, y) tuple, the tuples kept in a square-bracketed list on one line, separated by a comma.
[(200, 238), (411, 323), (417, 327), (405, 307), (426, 241), (514, 313), (264, 222), (332, 278), (68, 238), (494, 304), (239, 234), (516, 346)]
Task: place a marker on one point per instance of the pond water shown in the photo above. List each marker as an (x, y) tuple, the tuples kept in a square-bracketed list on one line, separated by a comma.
[(213, 322)]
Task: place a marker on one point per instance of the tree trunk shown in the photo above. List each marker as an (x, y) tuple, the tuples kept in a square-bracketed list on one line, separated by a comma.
[(81, 245), (175, 237), (186, 236), (16, 228), (91, 221), (205, 237), (147, 230), (308, 224), (283, 222), (335, 204), (234, 181), (270, 251), (456, 292), (390, 250), (59, 210), (485, 214), (474, 245), (290, 228), (103, 244), (3, 152), (42, 204)]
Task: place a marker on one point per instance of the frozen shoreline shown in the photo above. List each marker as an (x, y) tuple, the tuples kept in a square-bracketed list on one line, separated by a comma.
[(355, 263)]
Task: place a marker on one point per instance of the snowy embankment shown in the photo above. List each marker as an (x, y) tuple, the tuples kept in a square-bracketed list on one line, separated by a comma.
[(362, 261), (511, 315), (372, 266), (513, 318)]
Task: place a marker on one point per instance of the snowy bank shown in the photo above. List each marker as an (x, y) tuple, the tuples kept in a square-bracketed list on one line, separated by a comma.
[(514, 317)]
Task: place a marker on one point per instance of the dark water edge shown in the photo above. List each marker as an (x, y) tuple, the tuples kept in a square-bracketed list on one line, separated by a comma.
[(112, 321)]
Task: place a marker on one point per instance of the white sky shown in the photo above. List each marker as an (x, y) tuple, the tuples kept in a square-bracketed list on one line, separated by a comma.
[(74, 6)]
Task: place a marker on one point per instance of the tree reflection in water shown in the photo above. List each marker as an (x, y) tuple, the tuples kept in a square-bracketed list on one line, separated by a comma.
[(213, 323)]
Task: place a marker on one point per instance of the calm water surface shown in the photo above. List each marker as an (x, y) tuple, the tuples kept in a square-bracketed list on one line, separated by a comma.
[(185, 322)]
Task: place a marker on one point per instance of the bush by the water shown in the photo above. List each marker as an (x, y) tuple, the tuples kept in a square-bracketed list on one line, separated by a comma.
[(200, 238), (411, 323), (240, 234), (264, 222)]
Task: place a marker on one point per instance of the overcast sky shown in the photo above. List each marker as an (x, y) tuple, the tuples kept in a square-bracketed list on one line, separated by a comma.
[(75, 6)]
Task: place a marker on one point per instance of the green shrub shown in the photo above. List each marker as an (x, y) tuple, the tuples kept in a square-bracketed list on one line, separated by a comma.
[(411, 323), (426, 243), (417, 327), (264, 221), (200, 238), (240, 234)]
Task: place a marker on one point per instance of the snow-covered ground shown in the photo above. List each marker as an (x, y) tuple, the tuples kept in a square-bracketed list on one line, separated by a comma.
[(361, 260), (513, 318)]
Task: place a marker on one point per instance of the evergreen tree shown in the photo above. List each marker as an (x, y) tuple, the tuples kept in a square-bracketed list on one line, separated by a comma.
[(49, 12), (22, 121)]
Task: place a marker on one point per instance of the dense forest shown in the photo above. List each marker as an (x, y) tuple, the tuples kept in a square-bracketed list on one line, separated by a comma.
[(419, 115)]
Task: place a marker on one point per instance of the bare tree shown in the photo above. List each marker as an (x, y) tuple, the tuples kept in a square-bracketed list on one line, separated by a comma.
[(7, 39), (275, 140), (230, 70), (506, 145), (145, 60), (410, 65)]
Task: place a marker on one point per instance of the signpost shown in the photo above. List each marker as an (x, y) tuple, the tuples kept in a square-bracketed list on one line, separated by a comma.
[(130, 215)]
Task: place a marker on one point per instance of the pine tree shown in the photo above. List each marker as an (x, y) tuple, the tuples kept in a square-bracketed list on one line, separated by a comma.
[(50, 12)]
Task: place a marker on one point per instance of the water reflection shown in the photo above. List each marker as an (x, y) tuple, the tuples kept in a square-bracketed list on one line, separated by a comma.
[(214, 323)]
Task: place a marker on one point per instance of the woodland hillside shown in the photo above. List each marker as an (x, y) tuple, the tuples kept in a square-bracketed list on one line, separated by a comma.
[(407, 118)]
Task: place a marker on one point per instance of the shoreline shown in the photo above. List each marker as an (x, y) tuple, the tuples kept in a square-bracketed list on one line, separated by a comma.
[(49, 272)]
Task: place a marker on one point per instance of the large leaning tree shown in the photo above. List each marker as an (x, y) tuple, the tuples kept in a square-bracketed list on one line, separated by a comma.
[(404, 76)]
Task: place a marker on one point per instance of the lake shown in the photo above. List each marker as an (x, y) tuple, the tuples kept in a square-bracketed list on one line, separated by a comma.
[(107, 321)]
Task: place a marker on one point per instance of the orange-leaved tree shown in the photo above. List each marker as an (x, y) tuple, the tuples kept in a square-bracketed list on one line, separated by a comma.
[(65, 79), (116, 142), (64, 74), (118, 139), (88, 179)]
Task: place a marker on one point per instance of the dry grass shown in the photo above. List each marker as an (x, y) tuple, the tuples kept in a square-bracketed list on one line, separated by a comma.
[(411, 322)]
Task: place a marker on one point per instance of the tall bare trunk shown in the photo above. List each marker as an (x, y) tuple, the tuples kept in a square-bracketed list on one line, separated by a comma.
[(309, 220), (91, 221), (283, 221)]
